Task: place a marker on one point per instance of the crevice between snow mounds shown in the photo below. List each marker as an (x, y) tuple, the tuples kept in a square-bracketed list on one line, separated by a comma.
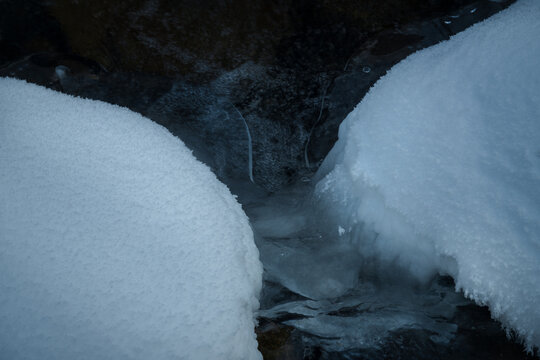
[(436, 169), (115, 242)]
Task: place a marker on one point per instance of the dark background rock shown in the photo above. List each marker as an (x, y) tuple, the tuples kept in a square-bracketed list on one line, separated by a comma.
[(292, 70), (205, 38)]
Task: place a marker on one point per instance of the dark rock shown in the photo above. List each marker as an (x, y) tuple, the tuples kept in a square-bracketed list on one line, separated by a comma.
[(291, 70), (26, 27), (277, 341)]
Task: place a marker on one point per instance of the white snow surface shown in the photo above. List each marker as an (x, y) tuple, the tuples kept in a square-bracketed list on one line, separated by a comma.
[(115, 242), (438, 168)]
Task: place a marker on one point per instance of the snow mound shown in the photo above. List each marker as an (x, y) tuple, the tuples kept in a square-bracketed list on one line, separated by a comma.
[(438, 168), (115, 242)]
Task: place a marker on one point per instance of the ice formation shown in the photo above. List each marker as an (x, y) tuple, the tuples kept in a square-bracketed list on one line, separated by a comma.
[(115, 242), (438, 168)]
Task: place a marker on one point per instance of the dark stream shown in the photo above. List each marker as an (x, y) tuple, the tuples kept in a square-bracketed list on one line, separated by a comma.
[(290, 71)]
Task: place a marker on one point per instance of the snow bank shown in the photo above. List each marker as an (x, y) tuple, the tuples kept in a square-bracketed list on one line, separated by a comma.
[(115, 242), (438, 168)]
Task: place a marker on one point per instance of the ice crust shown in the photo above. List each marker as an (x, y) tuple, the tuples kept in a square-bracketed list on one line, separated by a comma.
[(115, 242), (438, 168)]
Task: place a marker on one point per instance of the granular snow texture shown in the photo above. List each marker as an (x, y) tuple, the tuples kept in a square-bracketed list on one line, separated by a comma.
[(438, 168), (115, 242)]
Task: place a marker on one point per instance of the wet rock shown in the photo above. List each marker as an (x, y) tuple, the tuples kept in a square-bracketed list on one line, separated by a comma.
[(277, 341)]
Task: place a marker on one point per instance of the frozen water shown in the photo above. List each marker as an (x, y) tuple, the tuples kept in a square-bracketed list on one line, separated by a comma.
[(61, 71), (435, 170), (338, 302), (366, 315), (250, 146), (310, 266), (293, 251), (115, 243)]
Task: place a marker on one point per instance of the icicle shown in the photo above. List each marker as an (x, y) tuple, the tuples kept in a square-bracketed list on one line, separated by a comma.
[(313, 127), (250, 147)]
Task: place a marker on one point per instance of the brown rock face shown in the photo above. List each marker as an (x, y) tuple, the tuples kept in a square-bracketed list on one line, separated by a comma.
[(172, 37), (205, 37)]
